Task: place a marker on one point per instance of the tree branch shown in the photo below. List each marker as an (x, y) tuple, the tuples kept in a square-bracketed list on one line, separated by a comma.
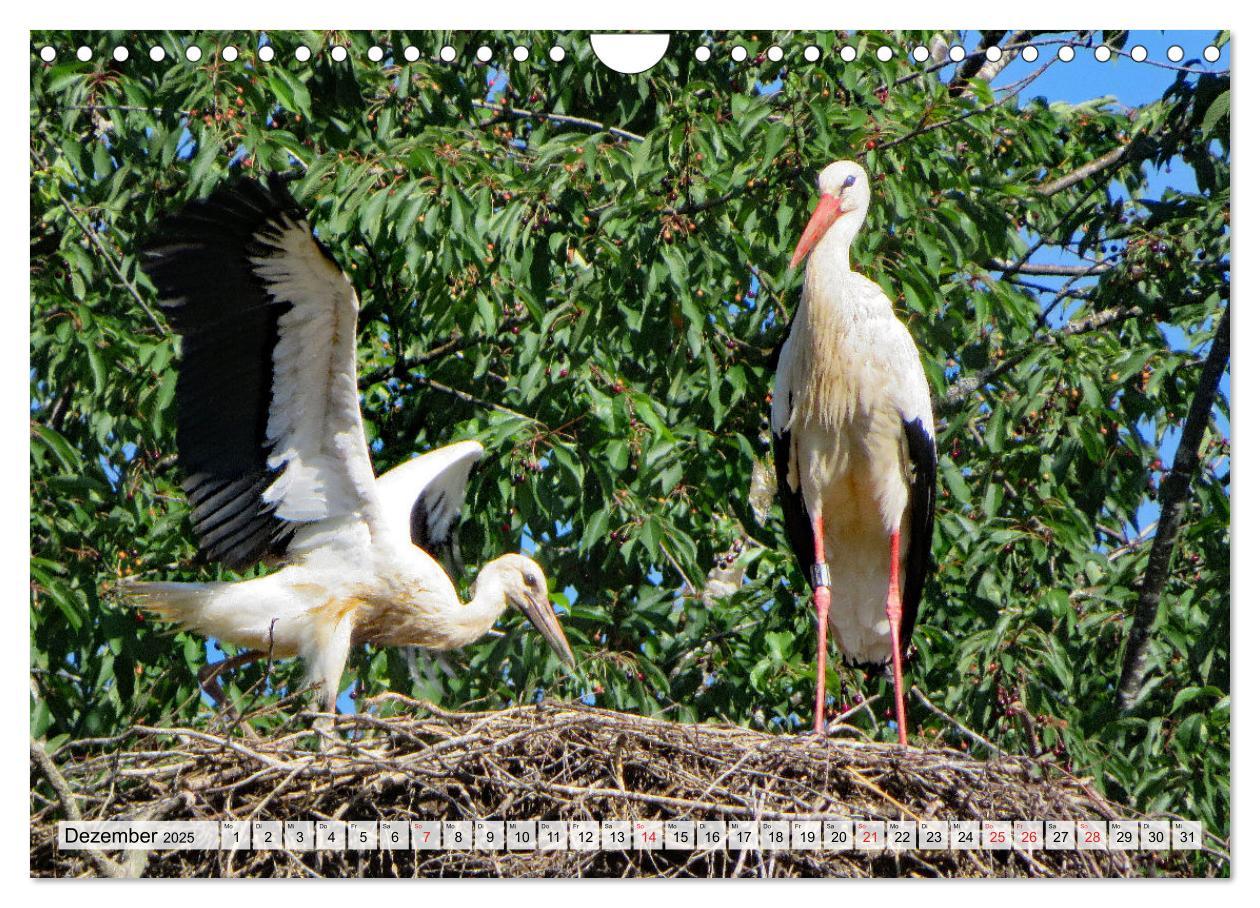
[(965, 387), (1081, 173), (70, 807), (1010, 267), (1173, 492), (472, 399), (454, 343), (100, 248), (593, 125), (1010, 92)]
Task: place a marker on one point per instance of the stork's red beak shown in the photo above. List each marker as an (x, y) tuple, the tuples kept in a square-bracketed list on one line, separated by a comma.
[(820, 222)]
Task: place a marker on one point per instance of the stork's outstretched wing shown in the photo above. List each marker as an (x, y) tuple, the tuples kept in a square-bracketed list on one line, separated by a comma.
[(269, 430), (421, 498)]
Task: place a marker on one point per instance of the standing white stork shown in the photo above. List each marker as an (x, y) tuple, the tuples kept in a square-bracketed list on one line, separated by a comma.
[(854, 447), (277, 467)]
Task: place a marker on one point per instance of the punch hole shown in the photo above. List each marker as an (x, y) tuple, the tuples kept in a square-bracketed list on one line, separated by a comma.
[(376, 54), (884, 54), (411, 53), (121, 54), (192, 53), (703, 54), (1211, 53), (446, 54), (520, 53), (1067, 53), (1102, 54), (47, 53), (84, 53), (1028, 54), (993, 54), (303, 53), (157, 54), (630, 54), (556, 54), (266, 53), (229, 54), (774, 53), (1138, 53), (848, 53), (739, 53), (1175, 53), (812, 54), (957, 54), (920, 54), (338, 53), (484, 54)]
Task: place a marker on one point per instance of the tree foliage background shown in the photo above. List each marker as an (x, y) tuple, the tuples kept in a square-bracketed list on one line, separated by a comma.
[(588, 272)]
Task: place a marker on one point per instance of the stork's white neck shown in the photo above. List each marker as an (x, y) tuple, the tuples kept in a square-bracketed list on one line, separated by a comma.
[(831, 255), (489, 600)]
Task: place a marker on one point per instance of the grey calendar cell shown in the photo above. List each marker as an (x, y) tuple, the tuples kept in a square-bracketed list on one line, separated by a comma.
[(1060, 835), (330, 835), (742, 835), (234, 835), (522, 835), (299, 835), (775, 835), (711, 834), (457, 835), (614, 835), (488, 835), (553, 835), (395, 834), (362, 835), (680, 835), (806, 835), (584, 835), (267, 835)]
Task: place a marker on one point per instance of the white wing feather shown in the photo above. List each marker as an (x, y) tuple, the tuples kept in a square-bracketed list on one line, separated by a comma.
[(314, 423), (440, 477)]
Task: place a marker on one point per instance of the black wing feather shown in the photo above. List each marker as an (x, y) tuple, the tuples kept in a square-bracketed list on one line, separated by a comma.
[(922, 450), (800, 531), (199, 260), (434, 528)]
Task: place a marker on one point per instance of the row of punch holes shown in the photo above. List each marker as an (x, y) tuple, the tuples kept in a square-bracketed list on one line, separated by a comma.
[(520, 53)]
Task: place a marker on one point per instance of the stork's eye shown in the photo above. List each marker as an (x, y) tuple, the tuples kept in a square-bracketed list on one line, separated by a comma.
[(531, 580), (849, 181)]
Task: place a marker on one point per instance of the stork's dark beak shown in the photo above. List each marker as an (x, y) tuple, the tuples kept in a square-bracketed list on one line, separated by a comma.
[(538, 610), (825, 214)]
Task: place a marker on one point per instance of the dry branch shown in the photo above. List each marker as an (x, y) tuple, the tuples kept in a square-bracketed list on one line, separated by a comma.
[(406, 760)]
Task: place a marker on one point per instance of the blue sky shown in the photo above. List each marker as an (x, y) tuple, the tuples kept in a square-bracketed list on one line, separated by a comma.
[(1132, 84)]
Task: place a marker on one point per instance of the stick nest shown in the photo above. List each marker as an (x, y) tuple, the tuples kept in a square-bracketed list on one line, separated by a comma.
[(556, 762)]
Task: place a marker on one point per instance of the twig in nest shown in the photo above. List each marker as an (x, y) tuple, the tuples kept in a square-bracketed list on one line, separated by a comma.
[(941, 714)]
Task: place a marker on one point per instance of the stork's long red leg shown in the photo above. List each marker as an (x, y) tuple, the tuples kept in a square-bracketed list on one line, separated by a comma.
[(893, 610), (822, 601)]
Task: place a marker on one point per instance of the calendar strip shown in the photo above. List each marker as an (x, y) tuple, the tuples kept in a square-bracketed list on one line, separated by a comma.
[(858, 835)]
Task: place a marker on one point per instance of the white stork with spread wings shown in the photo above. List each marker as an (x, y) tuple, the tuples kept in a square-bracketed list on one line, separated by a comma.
[(854, 446), (271, 440)]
